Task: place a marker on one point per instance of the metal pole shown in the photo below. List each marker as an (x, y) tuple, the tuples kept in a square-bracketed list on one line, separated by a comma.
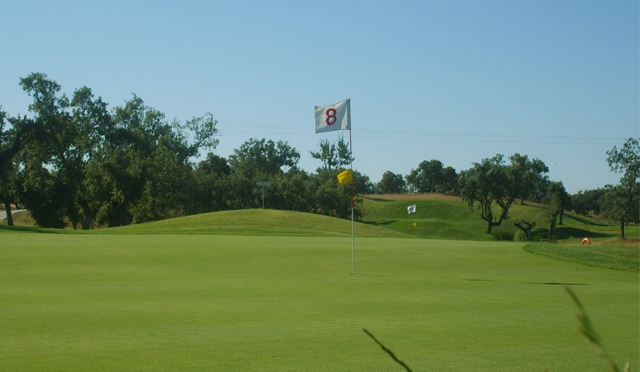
[(353, 244), (262, 184), (353, 248)]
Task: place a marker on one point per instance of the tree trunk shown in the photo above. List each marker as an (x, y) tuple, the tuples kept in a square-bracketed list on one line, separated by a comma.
[(87, 218), (552, 226), (526, 230), (490, 226), (561, 215), (622, 228), (7, 207), (86, 222)]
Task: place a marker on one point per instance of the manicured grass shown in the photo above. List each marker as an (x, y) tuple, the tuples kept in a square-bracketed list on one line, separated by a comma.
[(446, 217), (438, 217), (611, 256), (73, 302), (435, 219), (263, 222)]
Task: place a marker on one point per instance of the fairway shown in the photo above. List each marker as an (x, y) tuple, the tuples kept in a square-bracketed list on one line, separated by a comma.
[(246, 303)]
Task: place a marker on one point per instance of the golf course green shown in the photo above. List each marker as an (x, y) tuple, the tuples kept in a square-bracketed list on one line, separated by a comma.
[(161, 301)]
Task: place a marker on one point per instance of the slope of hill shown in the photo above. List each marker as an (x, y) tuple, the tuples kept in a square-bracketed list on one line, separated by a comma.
[(256, 222), (447, 217), (437, 217)]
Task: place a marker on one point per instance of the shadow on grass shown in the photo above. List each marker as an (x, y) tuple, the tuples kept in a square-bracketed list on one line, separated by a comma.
[(28, 229), (564, 232), (389, 352), (582, 220), (381, 200), (556, 283), (379, 222)]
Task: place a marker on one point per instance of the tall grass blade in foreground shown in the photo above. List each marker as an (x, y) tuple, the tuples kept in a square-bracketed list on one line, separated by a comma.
[(391, 354), (586, 328)]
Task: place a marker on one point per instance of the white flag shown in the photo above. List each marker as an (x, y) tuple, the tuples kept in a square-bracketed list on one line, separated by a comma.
[(411, 209), (333, 117)]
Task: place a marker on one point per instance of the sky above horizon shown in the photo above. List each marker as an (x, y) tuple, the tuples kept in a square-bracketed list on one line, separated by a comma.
[(456, 81)]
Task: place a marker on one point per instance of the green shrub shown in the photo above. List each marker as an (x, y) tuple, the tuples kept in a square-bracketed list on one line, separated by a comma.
[(520, 237), (502, 235)]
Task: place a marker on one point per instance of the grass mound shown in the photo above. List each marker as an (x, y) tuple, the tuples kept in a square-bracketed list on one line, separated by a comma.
[(610, 256), (264, 222), (438, 217), (447, 217)]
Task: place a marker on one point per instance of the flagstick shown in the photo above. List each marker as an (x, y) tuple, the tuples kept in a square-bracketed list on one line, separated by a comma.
[(353, 249)]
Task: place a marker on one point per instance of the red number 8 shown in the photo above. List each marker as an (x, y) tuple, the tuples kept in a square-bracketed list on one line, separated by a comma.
[(331, 116)]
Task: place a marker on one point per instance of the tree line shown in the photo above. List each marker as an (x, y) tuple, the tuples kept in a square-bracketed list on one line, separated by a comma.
[(492, 185), (75, 161)]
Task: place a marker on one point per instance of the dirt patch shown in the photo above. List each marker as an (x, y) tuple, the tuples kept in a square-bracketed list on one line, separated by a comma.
[(424, 196), (627, 242), (22, 218), (635, 241)]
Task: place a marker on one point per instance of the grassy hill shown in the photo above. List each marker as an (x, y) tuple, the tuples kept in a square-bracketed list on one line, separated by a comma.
[(257, 222), (447, 217), (437, 217)]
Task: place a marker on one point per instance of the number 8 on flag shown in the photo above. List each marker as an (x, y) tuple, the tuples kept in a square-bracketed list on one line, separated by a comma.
[(333, 117)]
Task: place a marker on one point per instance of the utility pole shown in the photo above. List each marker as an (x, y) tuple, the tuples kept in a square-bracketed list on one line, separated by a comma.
[(262, 184)]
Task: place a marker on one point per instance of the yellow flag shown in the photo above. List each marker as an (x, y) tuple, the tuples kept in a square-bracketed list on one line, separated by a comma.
[(345, 177)]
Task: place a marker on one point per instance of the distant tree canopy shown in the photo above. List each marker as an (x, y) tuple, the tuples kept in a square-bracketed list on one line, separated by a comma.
[(556, 201), (258, 159), (86, 165), (432, 176), (622, 201), (11, 142), (333, 155), (529, 176), (391, 183), (490, 182), (75, 161), (585, 202)]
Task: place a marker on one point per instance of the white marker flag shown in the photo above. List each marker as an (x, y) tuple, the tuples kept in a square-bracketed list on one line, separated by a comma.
[(411, 209), (333, 117)]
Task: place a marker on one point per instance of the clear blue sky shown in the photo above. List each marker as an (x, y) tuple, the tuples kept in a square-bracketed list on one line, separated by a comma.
[(456, 81)]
